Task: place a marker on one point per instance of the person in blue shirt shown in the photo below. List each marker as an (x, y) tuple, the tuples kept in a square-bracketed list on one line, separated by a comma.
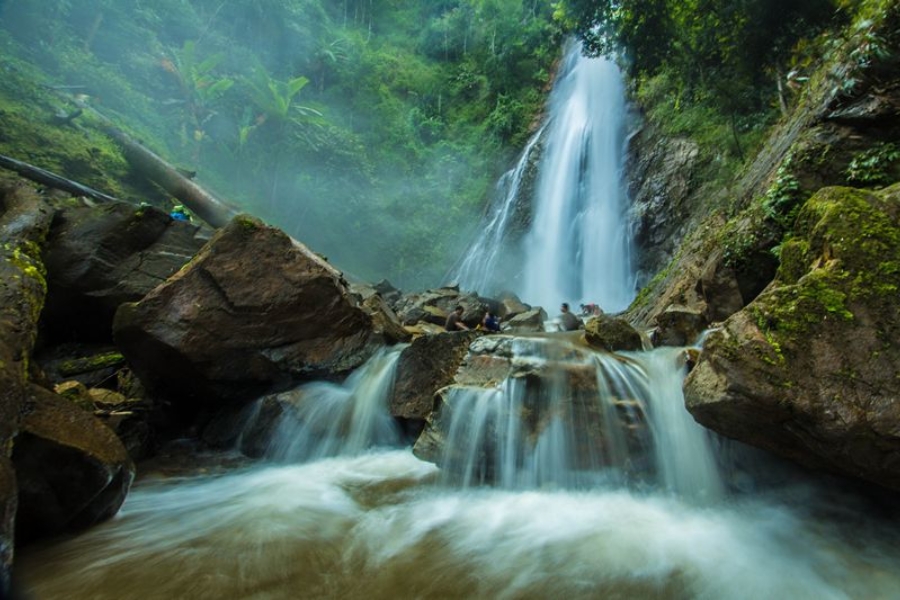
[(490, 323), (178, 213)]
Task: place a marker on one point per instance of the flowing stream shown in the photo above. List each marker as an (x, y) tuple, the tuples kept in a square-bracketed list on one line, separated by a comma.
[(583, 478), (347, 517)]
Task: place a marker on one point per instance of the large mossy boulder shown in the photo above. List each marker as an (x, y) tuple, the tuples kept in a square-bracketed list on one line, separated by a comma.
[(24, 221), (809, 369), (254, 312), (72, 470)]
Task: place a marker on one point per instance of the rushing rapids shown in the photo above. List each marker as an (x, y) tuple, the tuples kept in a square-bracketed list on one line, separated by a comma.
[(335, 513), (553, 471)]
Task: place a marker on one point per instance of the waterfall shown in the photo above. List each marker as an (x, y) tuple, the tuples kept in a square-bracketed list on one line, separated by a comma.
[(490, 263), (321, 419), (569, 418), (578, 247), (564, 472)]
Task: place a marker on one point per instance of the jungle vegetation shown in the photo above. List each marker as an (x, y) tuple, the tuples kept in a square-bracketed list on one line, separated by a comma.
[(374, 131)]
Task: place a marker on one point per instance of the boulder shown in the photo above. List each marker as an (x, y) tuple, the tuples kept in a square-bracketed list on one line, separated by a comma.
[(612, 334), (24, 221), (528, 322), (254, 312), (809, 369), (100, 256), (72, 470), (510, 306), (427, 365), (434, 305), (679, 326)]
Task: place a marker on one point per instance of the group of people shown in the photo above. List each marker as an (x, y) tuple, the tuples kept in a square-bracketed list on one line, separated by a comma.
[(568, 321), (490, 322)]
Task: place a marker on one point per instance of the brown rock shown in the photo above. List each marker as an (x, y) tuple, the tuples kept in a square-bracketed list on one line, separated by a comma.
[(427, 365), (809, 369), (254, 310), (101, 256), (72, 470), (609, 333), (679, 326)]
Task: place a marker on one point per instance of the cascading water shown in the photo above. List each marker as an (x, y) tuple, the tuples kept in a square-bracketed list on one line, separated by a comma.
[(570, 418), (578, 248), (560, 519), (322, 419), (563, 472)]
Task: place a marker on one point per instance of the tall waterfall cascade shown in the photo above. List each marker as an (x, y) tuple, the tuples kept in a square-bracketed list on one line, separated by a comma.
[(547, 469), (578, 248)]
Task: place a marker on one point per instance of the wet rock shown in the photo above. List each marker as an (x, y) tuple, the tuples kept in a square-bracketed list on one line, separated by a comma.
[(72, 470), (661, 170), (527, 322), (254, 312), (808, 370), (679, 326), (102, 255), (609, 333), (427, 365)]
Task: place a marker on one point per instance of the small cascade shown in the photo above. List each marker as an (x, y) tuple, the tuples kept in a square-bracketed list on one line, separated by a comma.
[(487, 267), (569, 418), (321, 419)]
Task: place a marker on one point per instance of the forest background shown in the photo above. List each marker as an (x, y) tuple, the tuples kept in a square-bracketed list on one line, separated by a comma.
[(374, 131)]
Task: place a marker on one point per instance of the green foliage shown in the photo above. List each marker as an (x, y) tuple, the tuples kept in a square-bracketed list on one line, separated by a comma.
[(782, 199), (872, 167), (273, 97), (386, 121)]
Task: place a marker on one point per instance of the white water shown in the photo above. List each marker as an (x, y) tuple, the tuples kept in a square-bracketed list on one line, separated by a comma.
[(578, 249), (492, 262), (358, 521), (380, 524)]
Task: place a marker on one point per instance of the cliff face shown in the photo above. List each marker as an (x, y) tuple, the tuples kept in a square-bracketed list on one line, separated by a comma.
[(800, 277), (715, 249)]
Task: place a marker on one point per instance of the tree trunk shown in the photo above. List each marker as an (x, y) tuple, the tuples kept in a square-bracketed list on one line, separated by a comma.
[(53, 180), (153, 167)]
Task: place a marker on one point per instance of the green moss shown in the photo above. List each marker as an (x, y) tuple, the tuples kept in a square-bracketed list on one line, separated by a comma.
[(26, 261), (32, 134), (845, 251), (91, 363), (248, 222)]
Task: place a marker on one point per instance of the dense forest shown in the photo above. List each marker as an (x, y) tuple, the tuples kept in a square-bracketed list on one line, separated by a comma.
[(381, 124), (387, 123)]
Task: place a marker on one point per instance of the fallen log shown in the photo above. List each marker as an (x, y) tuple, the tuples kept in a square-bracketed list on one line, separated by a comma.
[(53, 180), (155, 168)]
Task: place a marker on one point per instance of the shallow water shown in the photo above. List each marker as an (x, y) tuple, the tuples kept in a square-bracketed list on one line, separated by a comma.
[(376, 526)]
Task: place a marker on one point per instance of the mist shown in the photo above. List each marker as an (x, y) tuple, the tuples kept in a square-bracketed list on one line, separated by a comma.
[(374, 139)]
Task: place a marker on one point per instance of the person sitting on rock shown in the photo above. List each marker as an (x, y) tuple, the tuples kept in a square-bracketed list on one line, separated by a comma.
[(567, 320), (454, 321), (490, 323)]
